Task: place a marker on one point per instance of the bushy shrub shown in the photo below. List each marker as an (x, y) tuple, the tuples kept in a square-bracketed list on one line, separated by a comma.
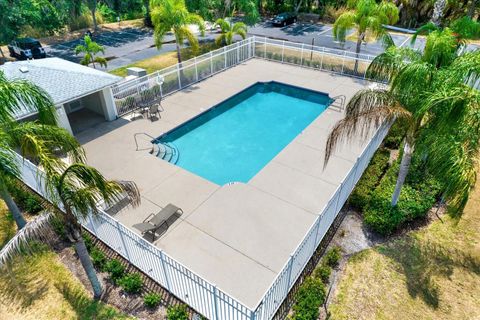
[(323, 273), (115, 269), (418, 195), (99, 259), (309, 298), (395, 135), (131, 283), (332, 257), (152, 300), (27, 200), (370, 179), (178, 312)]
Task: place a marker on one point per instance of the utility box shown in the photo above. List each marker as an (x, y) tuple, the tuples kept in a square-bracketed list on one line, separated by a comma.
[(137, 72)]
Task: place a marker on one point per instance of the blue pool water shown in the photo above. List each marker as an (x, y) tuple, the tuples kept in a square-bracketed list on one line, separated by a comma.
[(236, 139)]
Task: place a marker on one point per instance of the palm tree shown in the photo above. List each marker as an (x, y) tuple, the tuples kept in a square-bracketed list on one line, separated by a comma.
[(172, 15), (41, 141), (77, 189), (419, 94), (368, 18), (92, 5), (90, 49), (229, 31)]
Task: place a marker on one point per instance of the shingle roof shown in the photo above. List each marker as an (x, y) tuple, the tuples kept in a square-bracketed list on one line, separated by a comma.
[(62, 79)]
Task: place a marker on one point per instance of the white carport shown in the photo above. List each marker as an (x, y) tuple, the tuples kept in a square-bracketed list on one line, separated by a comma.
[(82, 95)]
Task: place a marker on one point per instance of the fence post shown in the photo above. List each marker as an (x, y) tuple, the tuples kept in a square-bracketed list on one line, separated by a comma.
[(167, 279), (178, 75), (265, 48), (123, 240), (338, 198), (283, 49), (318, 229), (321, 60), (301, 56), (343, 61), (211, 63), (196, 70), (251, 47), (289, 274), (238, 53), (215, 301), (225, 56)]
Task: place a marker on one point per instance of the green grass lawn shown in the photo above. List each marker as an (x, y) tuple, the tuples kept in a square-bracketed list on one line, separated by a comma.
[(163, 60), (39, 286), (433, 273)]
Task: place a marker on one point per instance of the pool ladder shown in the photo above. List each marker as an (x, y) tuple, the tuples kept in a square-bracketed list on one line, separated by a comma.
[(338, 103)]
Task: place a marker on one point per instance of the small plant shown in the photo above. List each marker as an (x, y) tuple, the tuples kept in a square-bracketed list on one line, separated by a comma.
[(178, 312), (332, 257), (88, 241), (99, 259), (131, 283), (115, 269), (152, 300), (309, 298), (323, 272)]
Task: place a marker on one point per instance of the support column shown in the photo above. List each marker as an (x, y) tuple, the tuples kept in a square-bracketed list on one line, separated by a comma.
[(108, 104), (62, 118)]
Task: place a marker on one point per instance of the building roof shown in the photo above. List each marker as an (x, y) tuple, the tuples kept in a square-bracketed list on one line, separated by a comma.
[(63, 80)]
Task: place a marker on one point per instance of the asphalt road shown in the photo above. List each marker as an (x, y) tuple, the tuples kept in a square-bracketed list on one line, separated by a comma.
[(131, 45)]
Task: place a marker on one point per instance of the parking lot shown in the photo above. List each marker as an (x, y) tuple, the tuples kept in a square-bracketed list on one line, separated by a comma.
[(131, 44)]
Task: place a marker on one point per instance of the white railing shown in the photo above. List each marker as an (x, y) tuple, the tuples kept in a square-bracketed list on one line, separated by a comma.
[(286, 278), (177, 77), (186, 285)]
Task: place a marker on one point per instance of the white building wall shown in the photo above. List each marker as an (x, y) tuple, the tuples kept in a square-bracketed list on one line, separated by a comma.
[(62, 118)]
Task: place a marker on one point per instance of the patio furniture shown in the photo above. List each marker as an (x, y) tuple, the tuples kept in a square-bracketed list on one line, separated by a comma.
[(153, 222), (152, 110)]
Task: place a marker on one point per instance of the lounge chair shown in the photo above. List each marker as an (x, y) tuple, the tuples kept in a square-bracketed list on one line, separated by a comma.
[(153, 222), (152, 110)]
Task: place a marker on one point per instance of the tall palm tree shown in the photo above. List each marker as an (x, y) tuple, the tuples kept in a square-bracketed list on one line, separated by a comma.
[(229, 31), (77, 189), (172, 15), (90, 49), (41, 141), (418, 94), (368, 18)]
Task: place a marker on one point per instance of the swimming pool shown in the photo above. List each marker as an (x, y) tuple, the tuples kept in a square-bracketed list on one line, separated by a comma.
[(234, 140)]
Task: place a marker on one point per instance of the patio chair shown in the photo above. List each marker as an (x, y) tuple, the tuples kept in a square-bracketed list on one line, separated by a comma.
[(153, 222), (153, 110)]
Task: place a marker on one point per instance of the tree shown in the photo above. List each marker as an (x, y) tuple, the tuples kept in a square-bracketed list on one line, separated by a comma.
[(41, 140), (429, 92), (172, 15), (229, 31), (92, 5), (438, 11), (77, 189), (368, 18), (90, 49)]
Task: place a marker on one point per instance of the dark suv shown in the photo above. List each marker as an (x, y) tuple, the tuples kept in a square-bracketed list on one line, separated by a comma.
[(284, 19), (26, 48)]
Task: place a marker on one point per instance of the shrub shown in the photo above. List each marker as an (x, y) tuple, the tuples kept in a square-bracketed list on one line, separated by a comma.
[(418, 195), (370, 179), (178, 312), (115, 269), (395, 135), (131, 283), (87, 238), (26, 199), (152, 300), (309, 298), (332, 257), (323, 273), (99, 259)]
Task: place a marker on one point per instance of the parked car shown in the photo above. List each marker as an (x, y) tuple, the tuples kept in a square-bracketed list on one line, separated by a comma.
[(26, 48), (284, 19)]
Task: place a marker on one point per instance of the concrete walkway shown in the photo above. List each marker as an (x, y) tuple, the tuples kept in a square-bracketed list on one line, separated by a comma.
[(236, 236)]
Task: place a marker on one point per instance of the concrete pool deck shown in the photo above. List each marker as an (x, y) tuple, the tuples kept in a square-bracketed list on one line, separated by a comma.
[(236, 236)]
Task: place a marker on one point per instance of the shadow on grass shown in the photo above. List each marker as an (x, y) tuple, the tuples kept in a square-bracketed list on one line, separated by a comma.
[(422, 261), (84, 306)]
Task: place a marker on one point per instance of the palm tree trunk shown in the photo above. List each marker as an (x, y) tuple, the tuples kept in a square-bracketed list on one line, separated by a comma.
[(12, 206), (179, 53), (402, 174), (357, 51), (89, 269), (471, 8), (438, 9), (93, 9), (299, 4)]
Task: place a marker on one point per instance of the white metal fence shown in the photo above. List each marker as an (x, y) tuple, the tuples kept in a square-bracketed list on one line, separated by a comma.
[(128, 94), (189, 287)]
